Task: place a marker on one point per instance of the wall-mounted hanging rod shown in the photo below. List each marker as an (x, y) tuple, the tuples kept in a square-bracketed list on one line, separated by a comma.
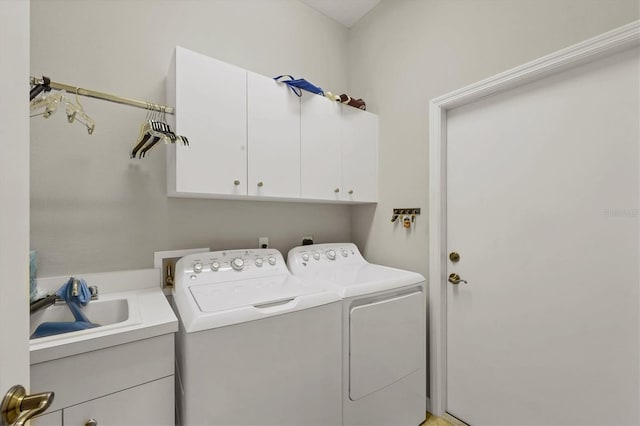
[(44, 81)]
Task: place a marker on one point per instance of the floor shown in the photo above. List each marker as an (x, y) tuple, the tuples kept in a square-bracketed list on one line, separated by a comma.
[(432, 420)]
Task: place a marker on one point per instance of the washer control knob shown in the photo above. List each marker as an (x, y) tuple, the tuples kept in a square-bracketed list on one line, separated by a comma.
[(331, 254), (271, 260), (237, 264), (197, 267), (316, 255), (259, 262), (305, 256), (344, 253), (215, 266)]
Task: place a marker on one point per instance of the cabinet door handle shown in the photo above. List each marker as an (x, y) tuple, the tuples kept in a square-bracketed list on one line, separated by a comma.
[(351, 192), (236, 182), (91, 422), (336, 190), (260, 184)]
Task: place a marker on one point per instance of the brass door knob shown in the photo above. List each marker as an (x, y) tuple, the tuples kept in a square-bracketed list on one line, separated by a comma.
[(454, 256), (455, 279), (17, 407)]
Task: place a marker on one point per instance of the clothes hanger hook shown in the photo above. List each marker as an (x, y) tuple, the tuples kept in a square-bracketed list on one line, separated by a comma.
[(78, 99)]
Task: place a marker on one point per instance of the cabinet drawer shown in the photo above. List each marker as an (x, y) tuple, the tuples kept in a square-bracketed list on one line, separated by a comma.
[(90, 375), (48, 419), (149, 404)]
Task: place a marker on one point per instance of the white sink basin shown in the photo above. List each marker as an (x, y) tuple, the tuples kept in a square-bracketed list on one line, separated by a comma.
[(131, 307), (100, 312)]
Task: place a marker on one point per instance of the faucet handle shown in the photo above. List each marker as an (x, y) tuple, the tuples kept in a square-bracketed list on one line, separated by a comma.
[(94, 292)]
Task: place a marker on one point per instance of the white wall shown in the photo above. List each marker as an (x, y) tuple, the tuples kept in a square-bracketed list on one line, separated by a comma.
[(92, 208), (406, 52)]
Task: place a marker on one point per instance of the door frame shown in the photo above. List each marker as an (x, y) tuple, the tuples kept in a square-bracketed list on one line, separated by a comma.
[(619, 39), (14, 194)]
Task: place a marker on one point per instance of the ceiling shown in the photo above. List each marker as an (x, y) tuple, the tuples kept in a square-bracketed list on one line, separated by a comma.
[(347, 12)]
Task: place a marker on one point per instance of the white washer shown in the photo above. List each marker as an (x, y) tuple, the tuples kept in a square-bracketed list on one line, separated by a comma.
[(256, 346), (384, 333)]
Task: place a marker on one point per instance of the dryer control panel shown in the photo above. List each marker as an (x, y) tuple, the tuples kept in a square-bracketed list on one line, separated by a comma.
[(324, 256), (227, 265)]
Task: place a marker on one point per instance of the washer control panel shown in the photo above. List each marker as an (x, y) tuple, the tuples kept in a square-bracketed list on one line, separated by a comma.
[(324, 256), (226, 264)]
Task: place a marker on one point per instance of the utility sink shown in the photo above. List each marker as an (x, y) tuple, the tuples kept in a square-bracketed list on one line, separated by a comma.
[(123, 316), (100, 312)]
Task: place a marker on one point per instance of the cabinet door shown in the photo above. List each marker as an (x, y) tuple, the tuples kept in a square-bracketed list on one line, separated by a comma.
[(211, 111), (149, 404), (359, 155), (321, 162), (273, 114), (48, 419)]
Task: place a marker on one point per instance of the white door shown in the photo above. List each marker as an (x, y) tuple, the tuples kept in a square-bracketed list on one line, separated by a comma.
[(543, 205), (273, 117), (14, 194)]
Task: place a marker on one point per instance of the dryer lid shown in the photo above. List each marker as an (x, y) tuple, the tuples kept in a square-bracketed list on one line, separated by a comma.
[(356, 280)]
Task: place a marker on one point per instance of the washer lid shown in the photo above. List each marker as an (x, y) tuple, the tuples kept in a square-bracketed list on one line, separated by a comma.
[(257, 292), (207, 306)]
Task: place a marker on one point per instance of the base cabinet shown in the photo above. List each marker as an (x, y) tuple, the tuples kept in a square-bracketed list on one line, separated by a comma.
[(149, 404), (129, 384), (50, 419)]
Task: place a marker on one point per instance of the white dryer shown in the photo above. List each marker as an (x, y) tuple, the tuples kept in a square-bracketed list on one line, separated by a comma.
[(256, 346), (384, 333)]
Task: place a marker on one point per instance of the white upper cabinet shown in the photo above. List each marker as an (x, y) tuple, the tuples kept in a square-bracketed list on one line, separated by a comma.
[(273, 113), (251, 137), (211, 111), (320, 145), (359, 155)]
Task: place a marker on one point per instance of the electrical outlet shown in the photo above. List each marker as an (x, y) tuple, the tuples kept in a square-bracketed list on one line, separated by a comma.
[(263, 242)]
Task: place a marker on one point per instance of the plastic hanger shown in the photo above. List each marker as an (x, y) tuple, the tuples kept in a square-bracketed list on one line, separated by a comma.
[(75, 112)]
